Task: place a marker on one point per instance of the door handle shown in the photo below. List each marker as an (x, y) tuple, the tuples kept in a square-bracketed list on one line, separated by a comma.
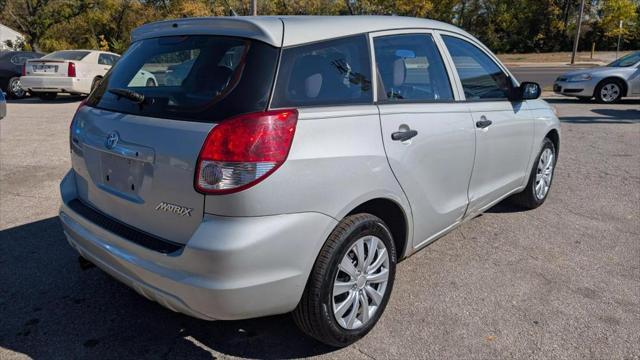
[(483, 122), (403, 135)]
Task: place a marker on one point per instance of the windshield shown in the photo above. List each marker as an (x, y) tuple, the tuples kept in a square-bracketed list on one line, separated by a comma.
[(198, 78), (627, 60)]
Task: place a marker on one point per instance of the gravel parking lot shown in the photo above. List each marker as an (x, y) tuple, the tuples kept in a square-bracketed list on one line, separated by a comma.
[(561, 281)]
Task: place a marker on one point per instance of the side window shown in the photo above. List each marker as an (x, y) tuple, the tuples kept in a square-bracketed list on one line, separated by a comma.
[(481, 77), (410, 68), (104, 59), (333, 72), (114, 59)]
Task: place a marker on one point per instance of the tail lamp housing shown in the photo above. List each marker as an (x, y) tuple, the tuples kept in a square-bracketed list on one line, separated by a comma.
[(244, 150), (71, 69)]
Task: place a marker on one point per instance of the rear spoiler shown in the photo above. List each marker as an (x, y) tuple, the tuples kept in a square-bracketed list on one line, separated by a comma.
[(266, 29)]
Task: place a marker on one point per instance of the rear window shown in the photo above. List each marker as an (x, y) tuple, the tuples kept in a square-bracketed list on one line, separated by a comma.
[(333, 72), (67, 55), (194, 78)]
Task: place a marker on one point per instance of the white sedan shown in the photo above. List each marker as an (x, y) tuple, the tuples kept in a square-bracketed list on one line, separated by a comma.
[(67, 71)]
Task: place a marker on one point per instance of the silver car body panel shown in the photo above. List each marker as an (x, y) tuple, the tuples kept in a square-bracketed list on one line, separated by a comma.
[(249, 253), (629, 75), (157, 169)]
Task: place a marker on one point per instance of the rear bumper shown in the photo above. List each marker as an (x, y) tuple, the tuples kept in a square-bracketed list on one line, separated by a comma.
[(56, 84), (231, 268)]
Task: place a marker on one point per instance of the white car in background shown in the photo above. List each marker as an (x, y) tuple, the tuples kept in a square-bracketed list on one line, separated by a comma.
[(67, 71), (143, 79)]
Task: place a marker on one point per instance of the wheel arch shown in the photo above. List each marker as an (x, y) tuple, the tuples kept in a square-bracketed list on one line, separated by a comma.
[(554, 136), (618, 79), (393, 215)]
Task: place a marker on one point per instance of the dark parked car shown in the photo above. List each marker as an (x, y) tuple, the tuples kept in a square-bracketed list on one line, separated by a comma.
[(10, 70)]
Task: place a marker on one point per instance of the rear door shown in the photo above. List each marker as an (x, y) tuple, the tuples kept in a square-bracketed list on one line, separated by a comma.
[(504, 128), (135, 160), (429, 137)]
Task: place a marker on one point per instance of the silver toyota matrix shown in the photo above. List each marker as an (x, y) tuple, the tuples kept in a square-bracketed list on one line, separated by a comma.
[(286, 164)]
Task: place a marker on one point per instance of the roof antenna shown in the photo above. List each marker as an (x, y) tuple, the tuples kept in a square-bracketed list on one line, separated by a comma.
[(231, 11)]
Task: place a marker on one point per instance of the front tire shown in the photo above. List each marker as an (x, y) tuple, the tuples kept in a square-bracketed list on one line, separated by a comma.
[(540, 178), (14, 89), (609, 91), (350, 283)]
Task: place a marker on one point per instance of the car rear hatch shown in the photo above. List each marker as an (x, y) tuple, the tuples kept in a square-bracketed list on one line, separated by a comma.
[(135, 147)]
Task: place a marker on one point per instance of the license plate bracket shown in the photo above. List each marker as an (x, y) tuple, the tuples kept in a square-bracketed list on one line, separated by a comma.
[(45, 68), (122, 174)]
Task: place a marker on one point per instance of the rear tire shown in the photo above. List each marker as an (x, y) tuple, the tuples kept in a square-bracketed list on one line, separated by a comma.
[(47, 95), (540, 178), (609, 91), (331, 288), (14, 89), (95, 83)]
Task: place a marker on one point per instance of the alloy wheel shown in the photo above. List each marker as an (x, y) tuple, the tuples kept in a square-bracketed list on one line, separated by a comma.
[(610, 92), (361, 282), (544, 173), (16, 88)]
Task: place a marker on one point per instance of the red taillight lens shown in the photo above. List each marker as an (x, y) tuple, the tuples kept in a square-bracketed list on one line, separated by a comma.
[(244, 150), (71, 70), (24, 69)]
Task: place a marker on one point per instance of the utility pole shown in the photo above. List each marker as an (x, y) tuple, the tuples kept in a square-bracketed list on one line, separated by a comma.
[(575, 42), (619, 36), (254, 7)]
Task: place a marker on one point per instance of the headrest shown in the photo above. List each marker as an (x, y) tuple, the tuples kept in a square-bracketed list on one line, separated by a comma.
[(399, 72), (309, 72)]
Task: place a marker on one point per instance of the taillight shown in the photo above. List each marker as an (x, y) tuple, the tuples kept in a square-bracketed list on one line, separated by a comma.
[(244, 150), (24, 69), (71, 70)]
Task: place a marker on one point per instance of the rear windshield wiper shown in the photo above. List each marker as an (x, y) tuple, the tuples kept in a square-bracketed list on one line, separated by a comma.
[(136, 97)]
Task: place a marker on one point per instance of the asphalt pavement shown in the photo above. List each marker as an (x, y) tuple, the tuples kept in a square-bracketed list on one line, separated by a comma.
[(558, 282)]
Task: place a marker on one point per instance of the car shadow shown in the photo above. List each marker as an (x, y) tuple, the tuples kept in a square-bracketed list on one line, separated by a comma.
[(606, 116), (50, 308), (505, 207)]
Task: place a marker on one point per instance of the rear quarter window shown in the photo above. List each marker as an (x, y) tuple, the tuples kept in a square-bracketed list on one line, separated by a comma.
[(333, 72), (194, 78)]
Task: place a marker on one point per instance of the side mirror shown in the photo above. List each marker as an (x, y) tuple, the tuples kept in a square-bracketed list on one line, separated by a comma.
[(529, 91)]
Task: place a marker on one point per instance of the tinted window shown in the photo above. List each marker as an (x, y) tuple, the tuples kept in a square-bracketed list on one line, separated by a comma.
[(480, 76), (105, 59), (333, 72), (114, 59), (67, 55), (198, 78), (411, 68)]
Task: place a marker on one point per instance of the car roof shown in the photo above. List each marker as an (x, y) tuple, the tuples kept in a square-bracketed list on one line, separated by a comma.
[(296, 29)]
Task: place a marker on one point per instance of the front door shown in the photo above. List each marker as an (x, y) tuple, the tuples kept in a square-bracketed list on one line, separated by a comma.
[(504, 129), (428, 137)]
